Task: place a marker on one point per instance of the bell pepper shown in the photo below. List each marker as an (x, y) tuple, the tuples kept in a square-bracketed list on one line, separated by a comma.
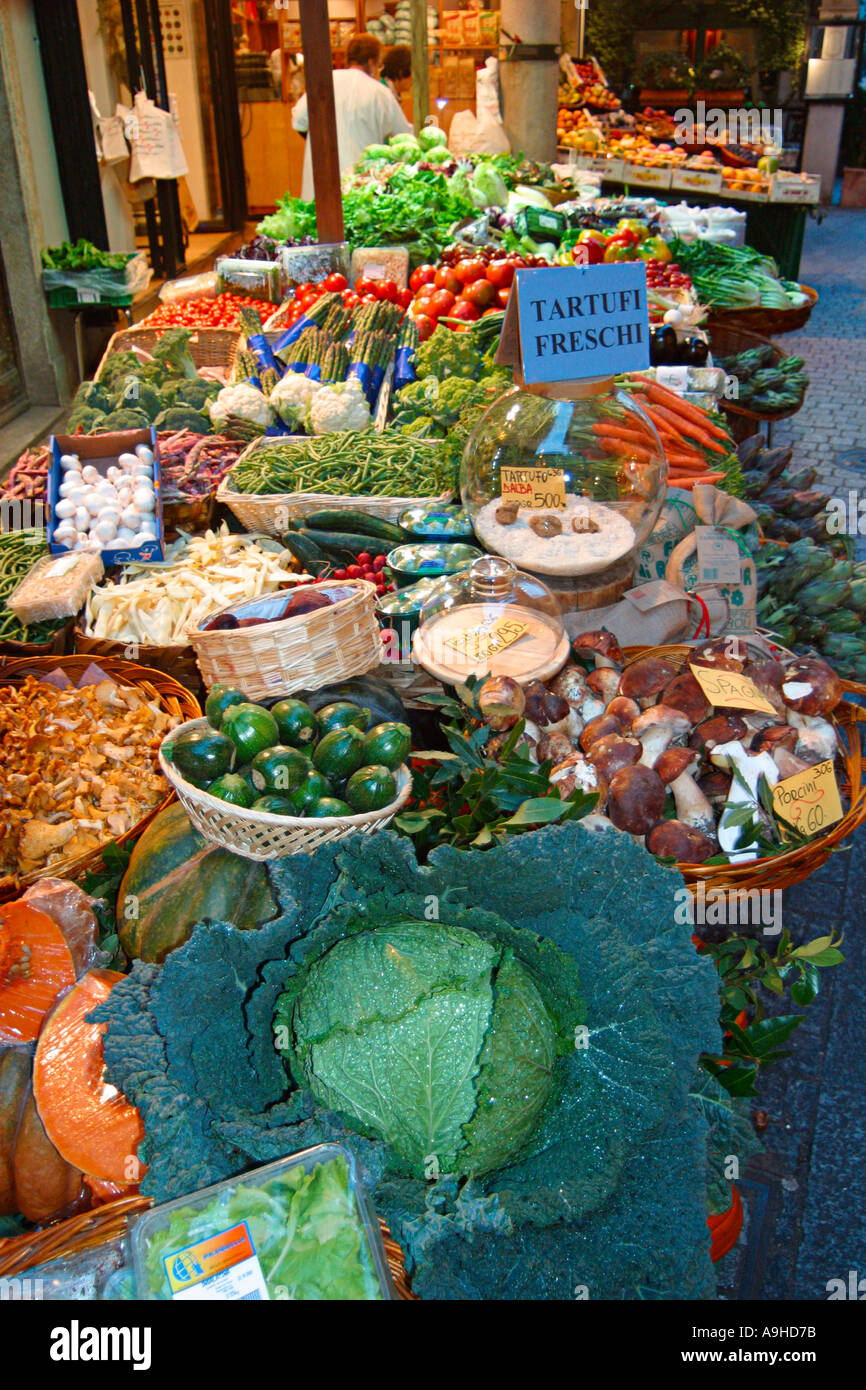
[(632, 224), (595, 243), (620, 248), (655, 248)]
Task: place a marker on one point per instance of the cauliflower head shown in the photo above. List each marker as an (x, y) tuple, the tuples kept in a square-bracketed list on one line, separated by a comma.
[(342, 406), (243, 401), (291, 397)]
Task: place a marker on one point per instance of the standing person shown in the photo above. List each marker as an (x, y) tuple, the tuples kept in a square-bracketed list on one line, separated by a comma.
[(397, 70), (367, 112)]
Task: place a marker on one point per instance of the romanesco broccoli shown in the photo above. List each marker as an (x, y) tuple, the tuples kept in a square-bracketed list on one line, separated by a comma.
[(447, 353)]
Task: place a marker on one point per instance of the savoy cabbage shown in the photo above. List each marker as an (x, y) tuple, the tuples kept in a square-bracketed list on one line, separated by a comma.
[(600, 1187)]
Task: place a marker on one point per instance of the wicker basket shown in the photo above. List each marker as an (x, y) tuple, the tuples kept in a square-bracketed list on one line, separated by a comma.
[(155, 685), (210, 347), (55, 645), (258, 835), (784, 870), (177, 662), (303, 653), (258, 512), (766, 321), (105, 1223)]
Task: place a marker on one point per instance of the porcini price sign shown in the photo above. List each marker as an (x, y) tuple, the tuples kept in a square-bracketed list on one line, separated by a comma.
[(582, 321)]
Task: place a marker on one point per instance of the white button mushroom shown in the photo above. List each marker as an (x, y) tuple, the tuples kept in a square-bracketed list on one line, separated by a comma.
[(69, 463), (65, 509), (144, 499)]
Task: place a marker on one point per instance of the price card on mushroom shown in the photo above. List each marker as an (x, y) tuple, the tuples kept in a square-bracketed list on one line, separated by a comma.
[(730, 689), (810, 799), (478, 643), (533, 487)]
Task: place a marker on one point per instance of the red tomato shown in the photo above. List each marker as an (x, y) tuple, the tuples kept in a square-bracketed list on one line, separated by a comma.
[(335, 281), (442, 302), (306, 287), (465, 311), (500, 274), (480, 293), (424, 305), (365, 286), (447, 280), (425, 326), (387, 289), (369, 299), (502, 296), (404, 298), (467, 271), (350, 299), (423, 275)]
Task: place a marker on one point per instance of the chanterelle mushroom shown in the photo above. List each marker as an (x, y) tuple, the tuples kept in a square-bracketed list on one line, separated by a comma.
[(676, 767), (636, 799), (657, 728), (811, 687), (672, 839)]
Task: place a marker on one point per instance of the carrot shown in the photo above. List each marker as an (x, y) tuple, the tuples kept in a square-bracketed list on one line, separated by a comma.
[(610, 431), (91, 1125), (693, 431), (35, 965), (625, 450), (692, 465), (700, 478), (663, 397)]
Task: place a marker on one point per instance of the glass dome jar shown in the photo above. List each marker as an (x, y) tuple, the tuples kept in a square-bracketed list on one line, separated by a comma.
[(590, 464), (491, 619)]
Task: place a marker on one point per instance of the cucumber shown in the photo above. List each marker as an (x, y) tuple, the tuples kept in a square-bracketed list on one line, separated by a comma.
[(338, 544), (346, 519), (306, 553)]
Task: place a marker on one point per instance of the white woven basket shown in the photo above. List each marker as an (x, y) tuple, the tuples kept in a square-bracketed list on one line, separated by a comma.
[(258, 512), (301, 653), (258, 835)]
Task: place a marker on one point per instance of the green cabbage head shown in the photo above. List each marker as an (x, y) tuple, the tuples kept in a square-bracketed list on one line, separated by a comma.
[(430, 1037)]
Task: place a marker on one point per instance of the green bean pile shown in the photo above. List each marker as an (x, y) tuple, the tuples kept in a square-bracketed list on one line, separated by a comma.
[(357, 463), (19, 551)]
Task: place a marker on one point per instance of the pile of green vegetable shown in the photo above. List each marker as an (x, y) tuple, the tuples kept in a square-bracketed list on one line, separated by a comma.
[(812, 596), (135, 390), (288, 761), (507, 1045), (363, 464), (735, 277), (19, 551), (786, 503), (763, 385), (82, 255), (455, 377)]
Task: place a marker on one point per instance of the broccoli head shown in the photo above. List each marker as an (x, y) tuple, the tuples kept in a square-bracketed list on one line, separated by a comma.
[(183, 417), (133, 393), (173, 350), (93, 394), (86, 418), (195, 393), (447, 353), (125, 418), (119, 365)]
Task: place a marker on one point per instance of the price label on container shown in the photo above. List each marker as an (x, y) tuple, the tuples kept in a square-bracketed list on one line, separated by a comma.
[(730, 689), (479, 643), (88, 297), (533, 487), (373, 270), (810, 799)]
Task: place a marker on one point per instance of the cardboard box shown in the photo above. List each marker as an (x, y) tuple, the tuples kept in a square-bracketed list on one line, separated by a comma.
[(644, 177), (452, 26), (466, 79), (488, 23), (102, 450), (795, 188), (471, 27), (697, 180), (600, 164)]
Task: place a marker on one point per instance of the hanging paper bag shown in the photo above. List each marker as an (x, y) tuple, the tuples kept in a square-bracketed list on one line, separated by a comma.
[(716, 557)]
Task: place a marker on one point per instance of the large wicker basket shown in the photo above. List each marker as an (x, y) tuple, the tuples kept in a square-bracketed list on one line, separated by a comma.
[(784, 870), (303, 653), (258, 512), (258, 835), (178, 662), (726, 342), (210, 347), (154, 685), (767, 321), (89, 1229)]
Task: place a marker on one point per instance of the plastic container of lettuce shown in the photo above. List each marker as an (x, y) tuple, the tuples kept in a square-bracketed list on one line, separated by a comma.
[(301, 1228)]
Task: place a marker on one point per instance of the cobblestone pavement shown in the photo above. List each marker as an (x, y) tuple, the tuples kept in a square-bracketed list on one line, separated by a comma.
[(805, 1196)]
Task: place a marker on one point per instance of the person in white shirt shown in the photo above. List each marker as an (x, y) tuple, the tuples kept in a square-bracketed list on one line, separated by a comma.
[(367, 112)]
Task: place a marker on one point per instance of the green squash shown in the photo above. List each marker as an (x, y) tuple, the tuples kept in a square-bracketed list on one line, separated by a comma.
[(176, 878), (371, 788), (218, 700), (200, 755)]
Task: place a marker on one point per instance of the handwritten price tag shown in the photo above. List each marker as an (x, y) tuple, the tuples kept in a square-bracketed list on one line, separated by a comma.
[(534, 487), (478, 643), (809, 800), (730, 689)]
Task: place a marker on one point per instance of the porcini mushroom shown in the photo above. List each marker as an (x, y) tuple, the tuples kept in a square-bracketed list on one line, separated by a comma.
[(672, 839), (767, 676), (500, 702), (576, 773), (597, 728), (788, 763), (625, 710), (749, 768), (645, 679), (610, 753), (599, 644), (721, 653), (811, 687), (722, 728), (676, 767), (548, 711), (636, 799), (816, 737), (554, 747), (776, 736), (685, 694), (604, 682), (657, 728), (715, 785)]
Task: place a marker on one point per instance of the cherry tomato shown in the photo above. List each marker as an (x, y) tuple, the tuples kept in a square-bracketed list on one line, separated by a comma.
[(363, 285), (442, 302), (422, 275), (424, 305), (467, 271), (500, 274), (480, 293), (334, 281), (369, 299), (365, 559), (447, 280), (502, 296), (465, 311), (404, 298), (426, 327)]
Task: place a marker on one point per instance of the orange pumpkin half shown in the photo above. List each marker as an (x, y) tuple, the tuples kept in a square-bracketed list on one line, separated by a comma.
[(89, 1122), (35, 967)]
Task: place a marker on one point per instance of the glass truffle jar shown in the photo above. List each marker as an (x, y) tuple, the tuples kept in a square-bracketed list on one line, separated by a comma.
[(491, 619), (590, 464)]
